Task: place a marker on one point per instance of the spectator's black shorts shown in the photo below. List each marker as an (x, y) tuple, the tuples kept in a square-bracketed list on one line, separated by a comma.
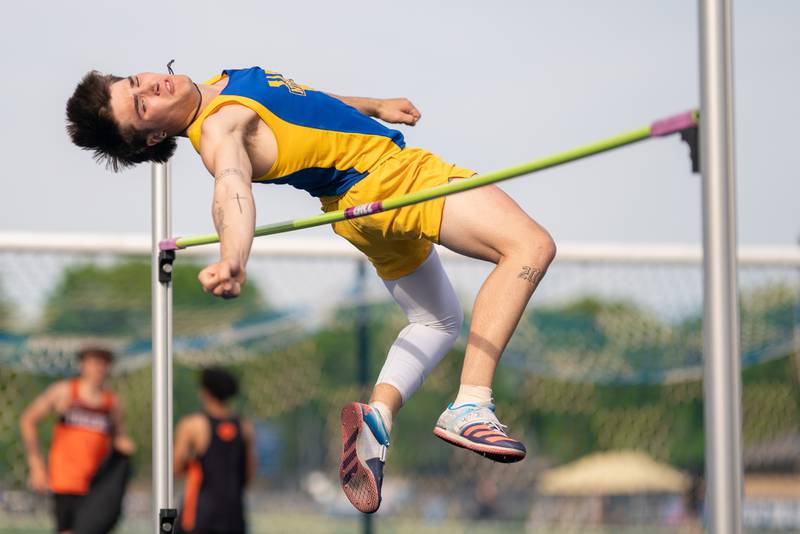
[(66, 510)]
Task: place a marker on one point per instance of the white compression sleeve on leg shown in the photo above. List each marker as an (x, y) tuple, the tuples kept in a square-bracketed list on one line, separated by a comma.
[(435, 316)]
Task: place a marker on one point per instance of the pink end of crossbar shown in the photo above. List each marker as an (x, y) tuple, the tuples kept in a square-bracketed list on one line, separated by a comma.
[(671, 125), (169, 244)]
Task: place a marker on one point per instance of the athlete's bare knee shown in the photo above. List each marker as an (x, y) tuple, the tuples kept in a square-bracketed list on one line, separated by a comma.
[(546, 247), (532, 245)]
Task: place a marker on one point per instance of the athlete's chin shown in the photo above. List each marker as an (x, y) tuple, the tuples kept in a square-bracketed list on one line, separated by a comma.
[(188, 94), (184, 84)]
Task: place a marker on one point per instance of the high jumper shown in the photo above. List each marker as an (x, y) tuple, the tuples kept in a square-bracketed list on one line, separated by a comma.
[(258, 126)]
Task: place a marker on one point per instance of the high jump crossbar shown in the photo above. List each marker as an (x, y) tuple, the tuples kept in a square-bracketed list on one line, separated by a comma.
[(164, 247), (683, 123)]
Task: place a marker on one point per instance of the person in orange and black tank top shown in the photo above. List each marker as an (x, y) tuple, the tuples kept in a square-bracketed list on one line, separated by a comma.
[(89, 426), (214, 449)]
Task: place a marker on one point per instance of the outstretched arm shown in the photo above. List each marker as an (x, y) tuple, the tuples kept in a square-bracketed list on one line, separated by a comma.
[(122, 441), (233, 209), (393, 110)]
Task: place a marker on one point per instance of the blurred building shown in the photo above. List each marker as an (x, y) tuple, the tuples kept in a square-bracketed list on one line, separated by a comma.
[(772, 484), (619, 487)]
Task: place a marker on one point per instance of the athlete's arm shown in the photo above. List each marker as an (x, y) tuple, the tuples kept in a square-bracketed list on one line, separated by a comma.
[(183, 448), (248, 435), (122, 441), (41, 407), (393, 110), (225, 156)]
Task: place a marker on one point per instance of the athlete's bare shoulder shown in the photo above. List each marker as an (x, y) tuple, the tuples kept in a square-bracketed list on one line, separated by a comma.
[(229, 118), (58, 395), (194, 420), (192, 426), (235, 127), (61, 390)]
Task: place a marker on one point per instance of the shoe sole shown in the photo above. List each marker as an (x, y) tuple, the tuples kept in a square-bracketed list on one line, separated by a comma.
[(494, 453), (356, 478)]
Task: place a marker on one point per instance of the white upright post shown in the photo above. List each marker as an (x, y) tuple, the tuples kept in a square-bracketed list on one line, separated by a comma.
[(162, 352), (723, 419)]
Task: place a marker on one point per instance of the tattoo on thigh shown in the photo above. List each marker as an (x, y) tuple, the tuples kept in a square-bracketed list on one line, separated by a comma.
[(224, 173), (531, 274)]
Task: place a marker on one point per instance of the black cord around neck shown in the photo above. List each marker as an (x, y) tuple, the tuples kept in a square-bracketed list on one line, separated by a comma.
[(196, 111)]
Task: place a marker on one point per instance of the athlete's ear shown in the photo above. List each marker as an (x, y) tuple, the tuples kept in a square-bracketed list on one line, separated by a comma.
[(153, 138)]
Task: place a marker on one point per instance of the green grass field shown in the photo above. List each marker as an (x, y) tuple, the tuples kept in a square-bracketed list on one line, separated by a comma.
[(297, 523), (300, 523), (323, 524), (312, 524)]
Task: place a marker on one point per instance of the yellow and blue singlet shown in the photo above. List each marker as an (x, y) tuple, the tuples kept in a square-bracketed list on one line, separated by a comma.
[(324, 145)]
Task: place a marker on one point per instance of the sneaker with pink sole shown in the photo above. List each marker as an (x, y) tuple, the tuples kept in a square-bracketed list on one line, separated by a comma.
[(365, 442)]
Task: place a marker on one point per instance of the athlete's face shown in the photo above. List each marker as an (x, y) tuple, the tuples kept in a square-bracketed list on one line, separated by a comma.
[(160, 104), (95, 369)]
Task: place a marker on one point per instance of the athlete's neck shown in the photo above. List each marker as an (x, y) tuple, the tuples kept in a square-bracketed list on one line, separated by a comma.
[(216, 409), (206, 94), (89, 388)]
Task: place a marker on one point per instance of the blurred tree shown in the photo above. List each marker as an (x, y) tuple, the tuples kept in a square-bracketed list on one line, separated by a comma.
[(619, 340), (115, 300), (300, 386)]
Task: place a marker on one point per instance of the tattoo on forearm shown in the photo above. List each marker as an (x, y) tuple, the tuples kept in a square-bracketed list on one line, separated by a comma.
[(531, 274), (221, 220), (224, 173)]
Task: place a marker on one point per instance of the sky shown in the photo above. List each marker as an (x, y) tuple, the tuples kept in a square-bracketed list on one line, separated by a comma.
[(498, 83)]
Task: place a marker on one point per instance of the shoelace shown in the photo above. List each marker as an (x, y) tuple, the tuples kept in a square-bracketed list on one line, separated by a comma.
[(491, 419), (497, 425)]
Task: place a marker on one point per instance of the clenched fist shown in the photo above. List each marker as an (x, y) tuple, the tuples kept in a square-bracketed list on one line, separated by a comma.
[(223, 279), (398, 111)]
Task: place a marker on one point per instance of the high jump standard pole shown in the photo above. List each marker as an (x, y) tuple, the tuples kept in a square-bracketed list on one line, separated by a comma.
[(722, 380), (161, 289)]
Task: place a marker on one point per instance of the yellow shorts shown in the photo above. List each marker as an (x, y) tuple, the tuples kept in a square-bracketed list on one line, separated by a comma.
[(396, 241)]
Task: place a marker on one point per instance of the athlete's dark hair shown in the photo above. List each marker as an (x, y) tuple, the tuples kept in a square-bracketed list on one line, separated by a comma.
[(219, 383), (95, 352), (91, 126)]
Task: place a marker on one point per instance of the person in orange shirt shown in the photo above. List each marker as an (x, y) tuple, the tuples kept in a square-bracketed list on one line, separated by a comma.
[(215, 450), (89, 427)]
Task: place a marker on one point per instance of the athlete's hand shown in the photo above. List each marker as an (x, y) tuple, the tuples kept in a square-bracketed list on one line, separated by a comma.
[(37, 478), (223, 279), (124, 445), (398, 111)]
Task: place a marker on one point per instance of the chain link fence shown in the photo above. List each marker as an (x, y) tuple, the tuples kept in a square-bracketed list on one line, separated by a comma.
[(602, 380)]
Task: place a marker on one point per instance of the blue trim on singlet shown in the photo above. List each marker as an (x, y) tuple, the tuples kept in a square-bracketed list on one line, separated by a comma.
[(319, 110), (321, 182)]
